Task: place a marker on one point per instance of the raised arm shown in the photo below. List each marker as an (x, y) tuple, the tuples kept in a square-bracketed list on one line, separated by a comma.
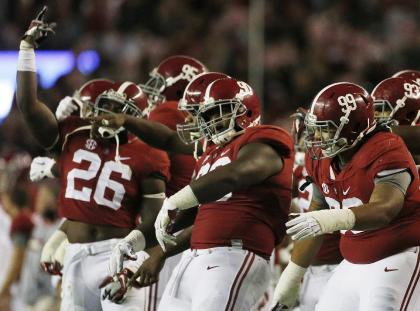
[(38, 116)]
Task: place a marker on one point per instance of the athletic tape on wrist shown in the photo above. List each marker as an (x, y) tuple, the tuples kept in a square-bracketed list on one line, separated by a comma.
[(184, 198), (26, 59)]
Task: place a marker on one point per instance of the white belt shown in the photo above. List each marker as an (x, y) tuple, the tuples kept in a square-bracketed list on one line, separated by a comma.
[(198, 252)]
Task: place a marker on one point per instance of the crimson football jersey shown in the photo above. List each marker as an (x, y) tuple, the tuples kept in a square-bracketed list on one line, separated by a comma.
[(354, 185), (252, 218), (330, 248), (95, 188), (182, 165)]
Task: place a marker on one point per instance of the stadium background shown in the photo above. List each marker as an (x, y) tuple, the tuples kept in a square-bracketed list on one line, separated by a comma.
[(287, 50), (296, 47)]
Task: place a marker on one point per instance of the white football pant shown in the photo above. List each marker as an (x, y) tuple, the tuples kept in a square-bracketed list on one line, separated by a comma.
[(390, 284), (221, 278)]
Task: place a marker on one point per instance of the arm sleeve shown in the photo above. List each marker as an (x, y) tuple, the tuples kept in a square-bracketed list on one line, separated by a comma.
[(400, 179)]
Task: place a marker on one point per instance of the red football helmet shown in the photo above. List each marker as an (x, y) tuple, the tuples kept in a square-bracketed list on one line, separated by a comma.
[(340, 115), (190, 101), (86, 95), (169, 79), (408, 74), (228, 107), (397, 99), (122, 97)]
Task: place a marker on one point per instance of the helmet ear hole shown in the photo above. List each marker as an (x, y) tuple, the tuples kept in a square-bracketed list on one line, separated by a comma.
[(249, 113)]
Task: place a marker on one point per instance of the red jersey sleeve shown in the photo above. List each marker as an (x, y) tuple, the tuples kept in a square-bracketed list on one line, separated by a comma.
[(385, 151), (69, 126), (272, 135), (155, 162)]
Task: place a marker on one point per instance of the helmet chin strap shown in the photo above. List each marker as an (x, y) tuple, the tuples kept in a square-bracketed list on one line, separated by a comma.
[(109, 133)]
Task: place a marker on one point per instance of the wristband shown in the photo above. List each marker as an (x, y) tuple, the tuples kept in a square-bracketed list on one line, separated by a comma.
[(335, 219), (184, 198), (26, 59)]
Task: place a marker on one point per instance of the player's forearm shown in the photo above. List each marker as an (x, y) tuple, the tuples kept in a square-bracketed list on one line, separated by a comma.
[(305, 251), (156, 135), (229, 178), (373, 216), (182, 243), (226, 180), (39, 118)]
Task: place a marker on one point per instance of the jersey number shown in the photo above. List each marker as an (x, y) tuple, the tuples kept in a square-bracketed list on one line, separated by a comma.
[(104, 180)]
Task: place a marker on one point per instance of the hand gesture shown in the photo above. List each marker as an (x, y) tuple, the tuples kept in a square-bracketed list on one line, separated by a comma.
[(39, 29)]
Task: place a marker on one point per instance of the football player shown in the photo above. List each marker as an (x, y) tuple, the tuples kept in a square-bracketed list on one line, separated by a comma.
[(80, 104), (164, 89), (409, 132), (107, 178), (242, 185), (328, 256), (365, 184)]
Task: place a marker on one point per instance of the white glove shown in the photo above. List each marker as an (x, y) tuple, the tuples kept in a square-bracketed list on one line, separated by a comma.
[(287, 289), (163, 222), (303, 226), (65, 108), (53, 244), (126, 249), (41, 168), (115, 288), (61, 252), (312, 224)]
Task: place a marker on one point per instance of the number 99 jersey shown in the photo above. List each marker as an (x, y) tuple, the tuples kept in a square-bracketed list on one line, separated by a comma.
[(95, 188), (353, 186)]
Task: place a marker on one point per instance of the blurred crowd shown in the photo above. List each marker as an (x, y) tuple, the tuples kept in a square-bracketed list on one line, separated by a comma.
[(308, 44)]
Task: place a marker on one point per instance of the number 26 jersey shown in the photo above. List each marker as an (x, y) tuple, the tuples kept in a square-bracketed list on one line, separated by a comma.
[(95, 187)]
